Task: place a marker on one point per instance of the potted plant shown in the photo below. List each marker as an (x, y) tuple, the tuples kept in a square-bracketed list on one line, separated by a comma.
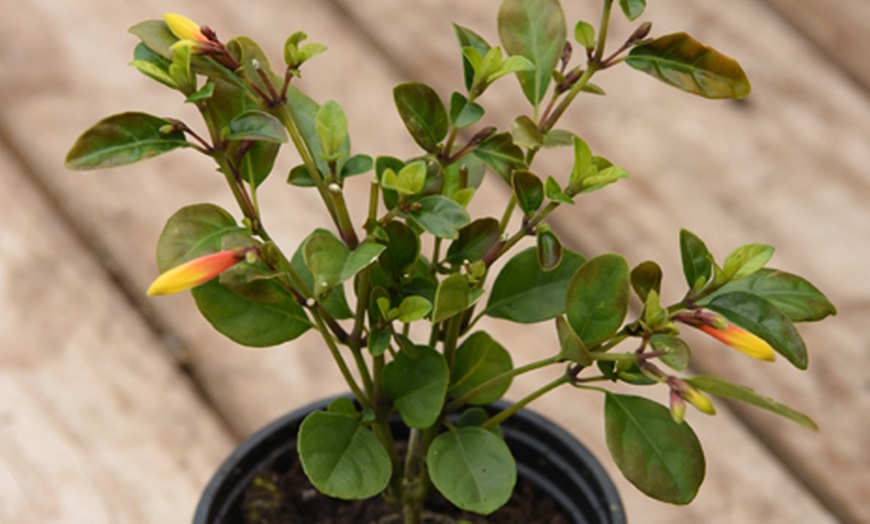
[(396, 295)]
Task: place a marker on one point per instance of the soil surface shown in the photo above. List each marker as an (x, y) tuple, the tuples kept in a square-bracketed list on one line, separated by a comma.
[(287, 497)]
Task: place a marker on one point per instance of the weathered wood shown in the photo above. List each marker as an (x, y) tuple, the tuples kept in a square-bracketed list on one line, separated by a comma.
[(784, 168), (81, 43), (97, 423), (838, 31)]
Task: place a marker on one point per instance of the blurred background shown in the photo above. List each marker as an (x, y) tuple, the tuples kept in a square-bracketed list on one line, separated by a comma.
[(115, 408)]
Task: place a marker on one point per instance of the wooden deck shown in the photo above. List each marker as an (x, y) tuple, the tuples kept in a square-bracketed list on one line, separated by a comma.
[(115, 408)]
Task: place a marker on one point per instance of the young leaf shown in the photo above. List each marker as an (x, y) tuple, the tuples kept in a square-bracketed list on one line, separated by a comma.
[(646, 277), (632, 8), (549, 248), (523, 292), (325, 256), (473, 468), (330, 125), (256, 125), (123, 139), (597, 299), (468, 38), (697, 260), (440, 216), (537, 31), (417, 385), (474, 241), (584, 33), (413, 308), (341, 457), (501, 154), (763, 319), (453, 297), (478, 359), (423, 113), (462, 112), (554, 192), (408, 181), (360, 258), (683, 62), (529, 191), (746, 260), (661, 458), (794, 296)]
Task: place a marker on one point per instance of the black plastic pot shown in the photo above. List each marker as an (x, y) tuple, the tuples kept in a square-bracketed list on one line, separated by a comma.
[(554, 461)]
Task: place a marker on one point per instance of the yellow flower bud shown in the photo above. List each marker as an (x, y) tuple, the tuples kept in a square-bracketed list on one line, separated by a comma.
[(184, 28), (193, 273), (742, 341)]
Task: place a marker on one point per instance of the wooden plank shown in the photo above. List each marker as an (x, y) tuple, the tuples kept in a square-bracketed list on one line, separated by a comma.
[(785, 168), (838, 29), (252, 387), (97, 424)]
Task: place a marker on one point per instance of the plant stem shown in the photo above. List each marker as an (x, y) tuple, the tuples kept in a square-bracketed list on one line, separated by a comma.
[(505, 414), (496, 380)]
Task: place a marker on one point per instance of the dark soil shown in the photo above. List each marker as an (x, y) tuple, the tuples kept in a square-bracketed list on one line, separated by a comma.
[(287, 497)]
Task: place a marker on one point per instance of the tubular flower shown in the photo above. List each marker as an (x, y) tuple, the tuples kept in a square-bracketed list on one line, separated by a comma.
[(741, 340), (184, 28), (194, 272)]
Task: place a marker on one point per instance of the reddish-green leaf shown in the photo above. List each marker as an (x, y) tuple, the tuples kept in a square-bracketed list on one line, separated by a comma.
[(597, 299), (662, 458), (683, 62), (423, 113)]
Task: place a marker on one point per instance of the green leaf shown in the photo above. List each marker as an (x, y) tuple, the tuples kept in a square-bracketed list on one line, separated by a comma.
[(554, 192), (403, 248), (537, 31), (501, 155), (330, 124), (683, 62), (423, 113), (529, 191), (256, 125), (464, 113), (123, 139), (357, 165), (192, 232), (153, 65), (525, 133), (632, 8), (360, 258), (597, 300), (549, 248), (341, 457), (646, 277), (440, 216), (468, 38), (523, 292), (584, 33), (155, 34), (417, 385), (304, 111), (325, 256), (478, 359), (697, 260), (249, 322), (408, 181), (413, 308), (794, 296), (475, 240), (204, 93), (452, 297), (746, 260), (335, 301), (661, 458), (677, 351), (723, 388), (763, 319), (571, 347), (473, 468), (257, 161)]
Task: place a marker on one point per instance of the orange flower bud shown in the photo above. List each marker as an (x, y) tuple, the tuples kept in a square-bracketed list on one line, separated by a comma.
[(742, 341), (194, 272), (184, 28)]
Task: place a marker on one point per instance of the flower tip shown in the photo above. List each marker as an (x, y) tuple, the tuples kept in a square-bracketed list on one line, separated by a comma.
[(193, 273), (184, 28), (743, 341)]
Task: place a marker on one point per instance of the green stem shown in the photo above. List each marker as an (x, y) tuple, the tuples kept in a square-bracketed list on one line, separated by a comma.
[(504, 415), (360, 395), (496, 380)]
